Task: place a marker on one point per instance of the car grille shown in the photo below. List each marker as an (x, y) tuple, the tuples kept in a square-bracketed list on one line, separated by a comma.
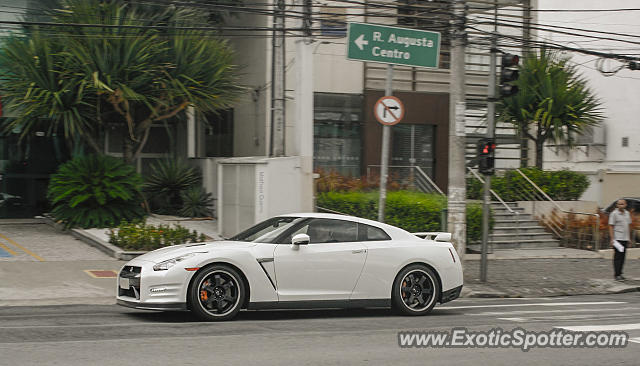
[(132, 273)]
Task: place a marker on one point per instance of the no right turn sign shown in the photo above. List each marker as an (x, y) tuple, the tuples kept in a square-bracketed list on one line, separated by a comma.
[(389, 110)]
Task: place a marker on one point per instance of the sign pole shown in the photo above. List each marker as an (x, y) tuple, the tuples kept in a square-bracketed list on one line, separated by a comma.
[(486, 197), (384, 160)]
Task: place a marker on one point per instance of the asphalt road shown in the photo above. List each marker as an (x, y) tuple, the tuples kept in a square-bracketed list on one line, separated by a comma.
[(112, 335)]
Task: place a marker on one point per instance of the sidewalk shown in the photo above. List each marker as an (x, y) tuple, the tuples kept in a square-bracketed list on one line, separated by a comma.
[(49, 267), (541, 277)]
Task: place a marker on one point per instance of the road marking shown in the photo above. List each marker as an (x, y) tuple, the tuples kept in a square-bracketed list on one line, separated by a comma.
[(5, 252), (568, 317), (97, 273), (503, 313), (476, 299), (62, 315), (635, 340), (22, 248), (535, 304), (601, 328)]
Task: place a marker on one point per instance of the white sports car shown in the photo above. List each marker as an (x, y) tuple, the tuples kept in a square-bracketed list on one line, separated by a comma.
[(306, 260)]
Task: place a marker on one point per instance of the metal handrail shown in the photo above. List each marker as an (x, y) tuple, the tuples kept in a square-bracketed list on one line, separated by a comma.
[(425, 176), (434, 187), (502, 202), (596, 226), (332, 211)]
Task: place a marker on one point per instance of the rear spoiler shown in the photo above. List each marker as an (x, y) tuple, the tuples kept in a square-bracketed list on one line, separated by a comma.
[(434, 235)]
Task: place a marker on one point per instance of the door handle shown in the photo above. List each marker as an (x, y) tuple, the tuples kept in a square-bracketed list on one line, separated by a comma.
[(358, 251)]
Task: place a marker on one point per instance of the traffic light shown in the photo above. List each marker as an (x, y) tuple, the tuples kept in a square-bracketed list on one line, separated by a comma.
[(508, 74), (486, 153)]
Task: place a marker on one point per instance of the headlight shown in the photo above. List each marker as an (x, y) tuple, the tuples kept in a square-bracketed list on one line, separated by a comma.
[(165, 265)]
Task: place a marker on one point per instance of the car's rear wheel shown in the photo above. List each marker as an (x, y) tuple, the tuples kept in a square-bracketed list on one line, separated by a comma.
[(415, 290), (217, 293)]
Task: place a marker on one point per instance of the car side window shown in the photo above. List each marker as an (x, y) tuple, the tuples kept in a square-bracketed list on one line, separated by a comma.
[(372, 233), (327, 231)]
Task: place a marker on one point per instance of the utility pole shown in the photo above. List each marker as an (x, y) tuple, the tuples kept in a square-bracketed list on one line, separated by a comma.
[(304, 105), (491, 115), (277, 81), (457, 223), (526, 49), (384, 160)]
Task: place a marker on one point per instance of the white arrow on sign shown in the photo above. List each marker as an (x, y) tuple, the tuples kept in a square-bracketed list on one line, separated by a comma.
[(360, 42)]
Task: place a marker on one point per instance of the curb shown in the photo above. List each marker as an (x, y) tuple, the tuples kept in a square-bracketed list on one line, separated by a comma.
[(620, 289), (105, 247), (96, 242), (29, 221)]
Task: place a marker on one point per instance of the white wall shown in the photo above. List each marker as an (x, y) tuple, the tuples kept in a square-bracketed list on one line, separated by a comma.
[(619, 93), (332, 72), (251, 112)]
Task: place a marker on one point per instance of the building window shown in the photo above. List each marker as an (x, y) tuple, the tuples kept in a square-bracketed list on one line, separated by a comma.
[(413, 145), (337, 133), (333, 21), (429, 15), (219, 134), (625, 142)]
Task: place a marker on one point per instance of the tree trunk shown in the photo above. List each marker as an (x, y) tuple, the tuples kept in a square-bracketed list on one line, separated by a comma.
[(539, 153), (128, 149), (524, 146)]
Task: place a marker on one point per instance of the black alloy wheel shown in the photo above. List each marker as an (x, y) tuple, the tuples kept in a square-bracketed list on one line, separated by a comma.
[(217, 293), (415, 290)]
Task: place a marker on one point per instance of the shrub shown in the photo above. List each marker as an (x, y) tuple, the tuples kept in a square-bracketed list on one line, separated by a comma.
[(561, 185), (95, 191), (333, 181), (196, 203), (412, 211), (166, 183), (474, 222), (577, 231), (140, 236)]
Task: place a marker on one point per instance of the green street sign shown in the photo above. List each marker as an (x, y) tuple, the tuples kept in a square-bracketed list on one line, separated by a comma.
[(393, 45)]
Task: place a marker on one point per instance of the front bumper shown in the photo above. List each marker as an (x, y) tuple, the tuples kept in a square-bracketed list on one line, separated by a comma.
[(140, 287), (162, 307)]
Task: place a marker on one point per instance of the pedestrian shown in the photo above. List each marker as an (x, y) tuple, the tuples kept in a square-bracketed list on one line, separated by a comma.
[(619, 231)]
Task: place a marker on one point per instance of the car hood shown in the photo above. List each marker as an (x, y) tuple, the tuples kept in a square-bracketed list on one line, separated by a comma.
[(174, 251)]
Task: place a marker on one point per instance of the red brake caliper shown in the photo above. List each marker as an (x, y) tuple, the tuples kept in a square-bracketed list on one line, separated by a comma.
[(203, 293)]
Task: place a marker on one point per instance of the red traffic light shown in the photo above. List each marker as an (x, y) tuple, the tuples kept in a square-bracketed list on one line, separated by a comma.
[(486, 146), (509, 60), (489, 147)]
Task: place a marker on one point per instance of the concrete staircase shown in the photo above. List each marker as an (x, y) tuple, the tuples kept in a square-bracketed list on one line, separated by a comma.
[(511, 232)]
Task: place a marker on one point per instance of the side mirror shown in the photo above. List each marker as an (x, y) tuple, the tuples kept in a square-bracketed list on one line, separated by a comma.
[(300, 239), (443, 237)]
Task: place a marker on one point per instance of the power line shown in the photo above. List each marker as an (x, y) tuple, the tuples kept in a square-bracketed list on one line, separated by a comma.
[(549, 45), (583, 10), (519, 24)]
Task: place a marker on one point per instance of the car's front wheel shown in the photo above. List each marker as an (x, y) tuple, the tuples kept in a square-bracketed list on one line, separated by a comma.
[(217, 293), (415, 290)]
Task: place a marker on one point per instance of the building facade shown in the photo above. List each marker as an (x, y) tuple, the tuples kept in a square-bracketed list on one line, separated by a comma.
[(610, 153)]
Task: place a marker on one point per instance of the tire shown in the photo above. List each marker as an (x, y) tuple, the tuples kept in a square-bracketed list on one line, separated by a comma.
[(217, 293), (415, 290)]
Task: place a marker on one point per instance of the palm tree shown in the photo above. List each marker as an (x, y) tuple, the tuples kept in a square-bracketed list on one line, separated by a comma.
[(553, 99), (145, 65)]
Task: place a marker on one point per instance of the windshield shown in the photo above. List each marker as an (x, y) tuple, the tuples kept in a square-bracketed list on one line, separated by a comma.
[(268, 230)]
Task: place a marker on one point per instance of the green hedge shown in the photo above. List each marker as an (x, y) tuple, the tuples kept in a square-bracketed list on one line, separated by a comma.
[(412, 211), (560, 185), (141, 236)]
